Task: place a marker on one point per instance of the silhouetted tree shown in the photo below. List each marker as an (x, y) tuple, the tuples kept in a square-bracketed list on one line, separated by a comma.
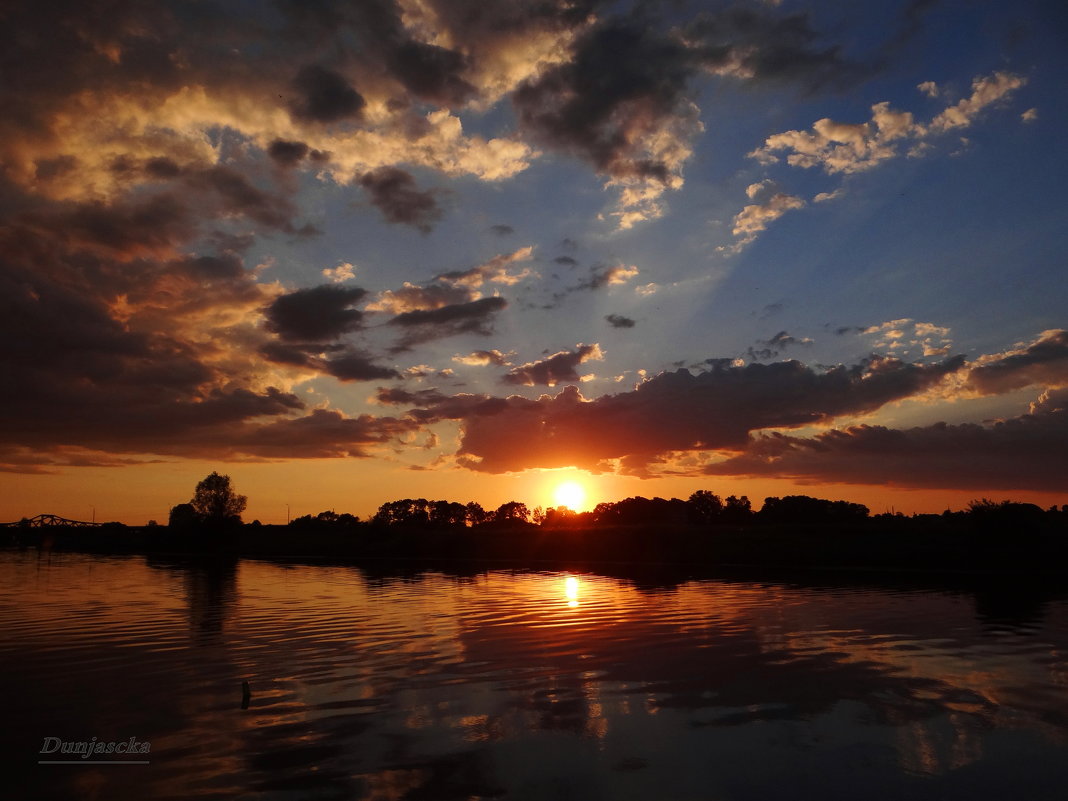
[(183, 516), (1005, 517), (446, 514), (409, 513), (802, 509), (704, 507), (737, 511), (475, 514), (215, 502), (512, 512)]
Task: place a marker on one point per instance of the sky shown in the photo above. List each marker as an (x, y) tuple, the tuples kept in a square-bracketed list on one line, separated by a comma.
[(353, 252)]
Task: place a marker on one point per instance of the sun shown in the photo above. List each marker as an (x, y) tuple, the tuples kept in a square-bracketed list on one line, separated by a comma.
[(570, 494)]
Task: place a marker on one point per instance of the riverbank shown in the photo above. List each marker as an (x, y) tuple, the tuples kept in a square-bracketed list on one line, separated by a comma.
[(866, 548)]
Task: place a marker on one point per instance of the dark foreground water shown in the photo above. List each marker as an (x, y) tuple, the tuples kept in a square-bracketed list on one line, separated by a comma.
[(520, 686)]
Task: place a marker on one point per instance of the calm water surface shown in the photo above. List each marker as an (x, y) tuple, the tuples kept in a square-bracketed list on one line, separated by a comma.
[(520, 686)]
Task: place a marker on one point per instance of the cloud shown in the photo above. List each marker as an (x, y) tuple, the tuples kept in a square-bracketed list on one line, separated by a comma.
[(1043, 363), (343, 272), (906, 336), (484, 358), (1030, 115), (619, 321), (555, 369), (715, 409), (356, 367), (287, 154), (770, 348), (602, 276), (318, 314), (495, 271), (1020, 453), (411, 297), (986, 91), (634, 119), (396, 195), (502, 230), (929, 88), (324, 96), (755, 218), (474, 317), (856, 147)]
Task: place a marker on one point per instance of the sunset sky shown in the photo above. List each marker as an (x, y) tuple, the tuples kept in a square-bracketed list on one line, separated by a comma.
[(353, 252)]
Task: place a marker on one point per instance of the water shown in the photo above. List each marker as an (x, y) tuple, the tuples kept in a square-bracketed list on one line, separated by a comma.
[(524, 685)]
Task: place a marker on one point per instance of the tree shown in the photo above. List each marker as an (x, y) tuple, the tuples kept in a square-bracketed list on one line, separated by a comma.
[(704, 507), (511, 512), (215, 502), (475, 514), (183, 516)]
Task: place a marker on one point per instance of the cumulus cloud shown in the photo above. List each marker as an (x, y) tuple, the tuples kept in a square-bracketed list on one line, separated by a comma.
[(619, 321), (906, 336), (396, 195), (343, 272), (1043, 363), (716, 409), (607, 275), (411, 297), (845, 148), (496, 271), (484, 358), (634, 119), (770, 348), (555, 369), (753, 219), (1019, 453), (318, 314), (474, 317)]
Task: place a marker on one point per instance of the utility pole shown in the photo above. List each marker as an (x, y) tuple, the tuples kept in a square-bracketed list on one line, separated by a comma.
[(287, 514)]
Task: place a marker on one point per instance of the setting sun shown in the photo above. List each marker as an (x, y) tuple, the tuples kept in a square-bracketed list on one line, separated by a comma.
[(571, 495)]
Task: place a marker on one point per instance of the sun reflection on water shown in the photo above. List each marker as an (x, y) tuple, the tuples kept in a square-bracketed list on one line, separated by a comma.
[(571, 591)]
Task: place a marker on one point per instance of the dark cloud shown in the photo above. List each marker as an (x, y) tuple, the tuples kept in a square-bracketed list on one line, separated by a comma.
[(287, 154), (396, 396), (239, 196), (751, 43), (321, 434), (502, 230), (473, 317), (770, 348), (566, 261), (599, 106), (318, 314), (619, 321), (325, 96), (1021, 453), (607, 109), (355, 367), (676, 411), (431, 73), (553, 370), (1044, 362), (397, 196)]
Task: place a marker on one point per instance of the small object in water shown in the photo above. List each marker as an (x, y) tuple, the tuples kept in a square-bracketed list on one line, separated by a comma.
[(246, 694)]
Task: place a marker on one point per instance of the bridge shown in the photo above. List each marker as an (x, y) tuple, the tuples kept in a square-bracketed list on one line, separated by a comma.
[(49, 521)]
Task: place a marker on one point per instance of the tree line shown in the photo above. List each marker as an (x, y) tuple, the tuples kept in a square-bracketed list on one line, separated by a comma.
[(215, 504)]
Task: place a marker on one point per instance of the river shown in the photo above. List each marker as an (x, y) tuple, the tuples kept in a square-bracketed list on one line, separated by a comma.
[(520, 685)]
